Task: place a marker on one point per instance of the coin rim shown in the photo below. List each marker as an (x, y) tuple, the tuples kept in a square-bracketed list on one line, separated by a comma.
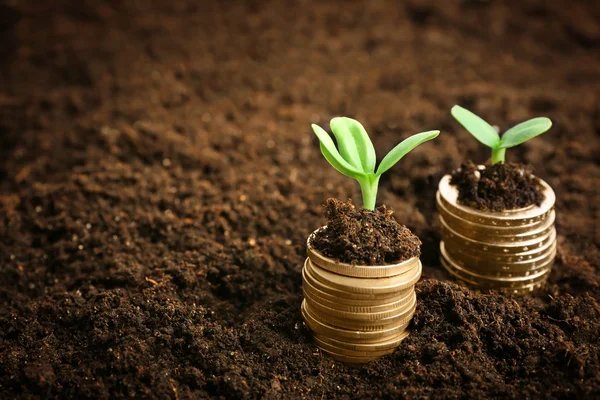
[(354, 315), (533, 251), (384, 345), (492, 281), (352, 302), (497, 266), (362, 324), (519, 291), (493, 247), (350, 284), (472, 252), (354, 335), (521, 232), (346, 352), (348, 359), (342, 294), (308, 291)]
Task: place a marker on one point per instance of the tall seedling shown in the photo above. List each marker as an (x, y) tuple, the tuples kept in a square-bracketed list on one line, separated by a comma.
[(356, 155)]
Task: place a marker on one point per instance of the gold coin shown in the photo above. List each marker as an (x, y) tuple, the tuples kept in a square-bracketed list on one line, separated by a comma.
[(453, 237), (351, 353), (344, 296), (387, 344), (497, 233), (521, 265), (366, 317), (400, 319), (357, 271), (342, 304), (515, 291), (346, 334), (349, 359), (527, 289), (383, 286), (332, 302), (376, 304), (518, 217), (505, 221), (498, 282), (467, 252), (450, 232), (515, 280), (506, 290), (494, 282)]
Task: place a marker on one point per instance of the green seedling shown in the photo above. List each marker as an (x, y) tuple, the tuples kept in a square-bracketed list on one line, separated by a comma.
[(487, 135), (356, 155)]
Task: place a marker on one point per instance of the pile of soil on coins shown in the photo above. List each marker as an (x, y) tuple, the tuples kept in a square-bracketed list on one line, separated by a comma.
[(365, 237), (159, 179), (497, 187)]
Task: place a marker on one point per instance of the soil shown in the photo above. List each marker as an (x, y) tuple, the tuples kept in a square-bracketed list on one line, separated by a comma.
[(497, 187), (364, 237), (159, 178)]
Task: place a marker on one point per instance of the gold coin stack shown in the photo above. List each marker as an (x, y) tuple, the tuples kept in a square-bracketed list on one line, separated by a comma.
[(511, 251), (358, 313)]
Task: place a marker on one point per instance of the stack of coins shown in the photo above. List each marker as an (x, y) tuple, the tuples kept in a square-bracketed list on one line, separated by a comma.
[(358, 313), (511, 251)]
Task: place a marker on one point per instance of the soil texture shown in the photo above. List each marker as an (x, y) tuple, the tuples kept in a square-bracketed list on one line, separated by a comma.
[(497, 187), (364, 237), (159, 179)]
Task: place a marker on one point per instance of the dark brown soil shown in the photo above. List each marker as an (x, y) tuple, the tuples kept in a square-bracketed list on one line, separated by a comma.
[(364, 237), (159, 178), (497, 187)]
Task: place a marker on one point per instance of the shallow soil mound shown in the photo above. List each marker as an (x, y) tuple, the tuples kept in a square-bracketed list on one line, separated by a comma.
[(497, 187), (359, 236)]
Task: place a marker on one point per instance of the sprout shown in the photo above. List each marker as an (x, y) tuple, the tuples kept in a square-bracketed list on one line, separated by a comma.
[(356, 155), (487, 135)]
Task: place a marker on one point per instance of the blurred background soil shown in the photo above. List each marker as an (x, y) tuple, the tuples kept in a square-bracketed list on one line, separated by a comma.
[(159, 178)]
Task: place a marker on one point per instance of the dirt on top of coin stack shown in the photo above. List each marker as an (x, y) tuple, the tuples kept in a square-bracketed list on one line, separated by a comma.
[(360, 236), (497, 187)]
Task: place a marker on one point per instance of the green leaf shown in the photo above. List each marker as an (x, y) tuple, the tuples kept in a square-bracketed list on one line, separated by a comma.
[(332, 155), (476, 126), (524, 131), (345, 141), (354, 143), (403, 148)]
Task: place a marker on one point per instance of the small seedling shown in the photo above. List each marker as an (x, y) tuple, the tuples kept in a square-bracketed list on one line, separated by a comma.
[(487, 135), (356, 155)]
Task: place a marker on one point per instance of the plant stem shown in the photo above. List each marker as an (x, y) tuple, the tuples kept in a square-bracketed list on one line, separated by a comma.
[(369, 186), (498, 156)]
